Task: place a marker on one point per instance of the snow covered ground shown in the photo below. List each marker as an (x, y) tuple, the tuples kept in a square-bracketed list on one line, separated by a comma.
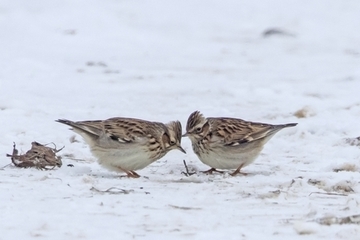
[(161, 60)]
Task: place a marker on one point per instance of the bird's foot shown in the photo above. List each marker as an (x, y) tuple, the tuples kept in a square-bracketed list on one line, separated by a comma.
[(237, 171), (130, 173), (211, 170)]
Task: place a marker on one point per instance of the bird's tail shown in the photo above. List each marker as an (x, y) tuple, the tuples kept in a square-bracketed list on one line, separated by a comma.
[(287, 125), (276, 128), (87, 127)]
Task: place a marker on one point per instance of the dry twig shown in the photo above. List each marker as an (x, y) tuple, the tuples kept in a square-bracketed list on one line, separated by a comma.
[(353, 219), (112, 190), (332, 194), (187, 173), (39, 156), (184, 208)]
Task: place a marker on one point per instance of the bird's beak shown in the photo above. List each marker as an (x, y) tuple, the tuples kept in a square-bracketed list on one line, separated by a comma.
[(185, 135), (181, 149)]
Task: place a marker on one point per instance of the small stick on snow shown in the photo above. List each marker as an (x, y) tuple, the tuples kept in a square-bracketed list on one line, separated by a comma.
[(187, 173), (332, 194), (112, 190), (55, 150), (353, 219), (2, 168)]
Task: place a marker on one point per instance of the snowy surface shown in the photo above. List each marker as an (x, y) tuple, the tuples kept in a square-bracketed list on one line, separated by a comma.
[(161, 60)]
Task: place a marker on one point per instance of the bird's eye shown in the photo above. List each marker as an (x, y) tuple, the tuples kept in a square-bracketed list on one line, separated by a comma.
[(198, 130)]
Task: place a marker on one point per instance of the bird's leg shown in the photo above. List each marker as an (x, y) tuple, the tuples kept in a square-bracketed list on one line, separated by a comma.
[(129, 173), (134, 174), (211, 170), (238, 171)]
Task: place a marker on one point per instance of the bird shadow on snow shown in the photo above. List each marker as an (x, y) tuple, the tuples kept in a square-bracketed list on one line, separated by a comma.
[(199, 177)]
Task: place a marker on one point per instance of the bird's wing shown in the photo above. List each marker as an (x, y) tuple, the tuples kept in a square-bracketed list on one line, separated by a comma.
[(128, 130), (237, 131)]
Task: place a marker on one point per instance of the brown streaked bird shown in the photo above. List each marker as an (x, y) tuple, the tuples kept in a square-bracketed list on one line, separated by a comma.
[(228, 143), (128, 144)]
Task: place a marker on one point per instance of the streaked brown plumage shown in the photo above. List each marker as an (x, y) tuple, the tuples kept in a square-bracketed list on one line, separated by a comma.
[(228, 143), (128, 144)]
